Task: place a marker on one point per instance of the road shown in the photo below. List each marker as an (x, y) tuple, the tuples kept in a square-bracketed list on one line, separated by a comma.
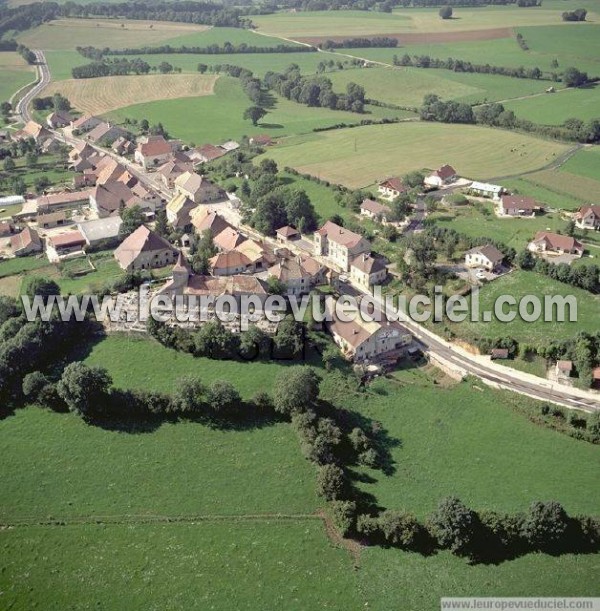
[(22, 108), (438, 349)]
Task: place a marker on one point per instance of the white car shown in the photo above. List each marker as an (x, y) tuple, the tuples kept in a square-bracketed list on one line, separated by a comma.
[(480, 275)]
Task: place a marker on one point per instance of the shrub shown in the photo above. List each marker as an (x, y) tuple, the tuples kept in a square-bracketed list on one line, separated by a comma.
[(33, 383), (545, 524), (454, 526), (331, 482), (343, 514), (399, 528)]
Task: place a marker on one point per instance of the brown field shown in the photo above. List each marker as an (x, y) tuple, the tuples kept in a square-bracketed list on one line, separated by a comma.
[(565, 182), (101, 95), (415, 38), (13, 61), (70, 33)]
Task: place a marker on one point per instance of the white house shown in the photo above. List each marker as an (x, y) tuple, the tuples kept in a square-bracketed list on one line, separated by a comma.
[(368, 271), (518, 205), (484, 189), (153, 153), (555, 244), (374, 210), (440, 177), (339, 245), (588, 217), (487, 256), (391, 188)]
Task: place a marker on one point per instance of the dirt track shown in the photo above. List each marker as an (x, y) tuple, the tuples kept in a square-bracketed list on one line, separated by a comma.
[(413, 38)]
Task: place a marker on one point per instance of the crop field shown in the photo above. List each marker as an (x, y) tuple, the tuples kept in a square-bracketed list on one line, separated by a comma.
[(521, 283), (555, 109), (572, 45), (359, 157), (422, 21), (480, 221), (566, 182), (71, 33), (186, 117), (585, 163), (14, 74), (101, 95)]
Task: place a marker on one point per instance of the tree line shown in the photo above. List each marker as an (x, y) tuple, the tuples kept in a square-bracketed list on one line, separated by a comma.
[(435, 109), (358, 43), (315, 91), (226, 49)]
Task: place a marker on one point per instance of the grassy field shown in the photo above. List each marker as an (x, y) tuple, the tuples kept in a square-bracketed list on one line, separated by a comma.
[(566, 182), (101, 95), (585, 163), (49, 166), (436, 425), (186, 117), (71, 33), (554, 199), (359, 157), (481, 221), (422, 21), (61, 467), (14, 74), (208, 565), (521, 283), (555, 109), (573, 44)]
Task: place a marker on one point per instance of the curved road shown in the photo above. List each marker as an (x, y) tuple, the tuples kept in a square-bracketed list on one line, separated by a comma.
[(22, 108), (449, 355)]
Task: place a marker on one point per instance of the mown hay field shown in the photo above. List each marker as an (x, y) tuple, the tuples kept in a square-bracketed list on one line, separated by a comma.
[(70, 33), (100, 95), (359, 157), (571, 184), (363, 23), (14, 74)]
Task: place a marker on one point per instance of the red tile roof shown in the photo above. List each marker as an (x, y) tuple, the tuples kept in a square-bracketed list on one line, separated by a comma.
[(557, 241), (520, 202)]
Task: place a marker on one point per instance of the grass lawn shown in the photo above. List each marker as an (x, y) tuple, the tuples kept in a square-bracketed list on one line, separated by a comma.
[(518, 284), (49, 166), (208, 565), (186, 117), (473, 221), (542, 192), (389, 578), (139, 363), (56, 465), (100, 95), (585, 163), (71, 33), (359, 157), (18, 265), (555, 109)]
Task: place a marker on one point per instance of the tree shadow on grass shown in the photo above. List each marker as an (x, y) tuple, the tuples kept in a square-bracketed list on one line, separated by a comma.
[(271, 125)]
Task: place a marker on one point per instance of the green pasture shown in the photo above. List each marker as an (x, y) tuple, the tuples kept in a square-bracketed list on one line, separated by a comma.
[(585, 163)]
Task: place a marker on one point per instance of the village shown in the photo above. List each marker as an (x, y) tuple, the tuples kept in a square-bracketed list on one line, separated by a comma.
[(155, 176)]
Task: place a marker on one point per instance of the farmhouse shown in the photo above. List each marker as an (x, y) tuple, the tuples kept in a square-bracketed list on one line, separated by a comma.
[(555, 244), (156, 151), (440, 177), (100, 231), (65, 245), (62, 201), (85, 123), (26, 242), (261, 140), (484, 189), (487, 256), (173, 169), (361, 340), (228, 239), (518, 205), (588, 217), (292, 274), (256, 253), (122, 146), (197, 188), (52, 219), (229, 263), (105, 133), (58, 119), (209, 220), (206, 153), (339, 245), (392, 188), (368, 271), (374, 210), (144, 249), (110, 198), (33, 130)]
